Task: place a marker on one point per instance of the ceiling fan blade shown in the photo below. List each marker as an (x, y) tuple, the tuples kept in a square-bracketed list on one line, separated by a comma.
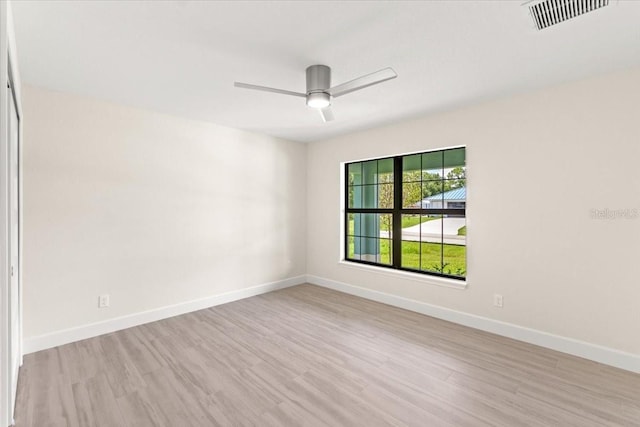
[(326, 114), (269, 89), (362, 82)]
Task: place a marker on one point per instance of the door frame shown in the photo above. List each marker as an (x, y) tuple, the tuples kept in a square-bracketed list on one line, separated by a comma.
[(9, 70), (13, 386)]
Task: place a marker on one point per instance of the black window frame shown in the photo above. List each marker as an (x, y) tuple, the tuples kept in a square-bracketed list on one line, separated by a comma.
[(397, 212)]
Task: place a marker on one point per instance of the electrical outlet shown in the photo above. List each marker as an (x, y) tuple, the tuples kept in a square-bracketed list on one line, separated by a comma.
[(498, 300), (103, 301)]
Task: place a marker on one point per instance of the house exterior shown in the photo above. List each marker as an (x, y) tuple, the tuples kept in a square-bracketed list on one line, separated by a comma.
[(452, 199)]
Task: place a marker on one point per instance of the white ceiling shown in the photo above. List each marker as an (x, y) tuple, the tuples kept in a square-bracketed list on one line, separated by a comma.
[(182, 57)]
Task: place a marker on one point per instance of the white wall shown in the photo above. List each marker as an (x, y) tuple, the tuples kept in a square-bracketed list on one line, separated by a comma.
[(537, 165), (152, 209)]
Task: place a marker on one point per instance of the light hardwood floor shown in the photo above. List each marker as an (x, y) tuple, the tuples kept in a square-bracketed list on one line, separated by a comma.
[(308, 356)]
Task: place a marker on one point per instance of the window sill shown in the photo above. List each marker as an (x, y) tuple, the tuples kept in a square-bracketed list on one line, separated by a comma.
[(407, 275)]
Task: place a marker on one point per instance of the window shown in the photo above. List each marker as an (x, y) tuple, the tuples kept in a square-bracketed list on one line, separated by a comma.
[(408, 212)]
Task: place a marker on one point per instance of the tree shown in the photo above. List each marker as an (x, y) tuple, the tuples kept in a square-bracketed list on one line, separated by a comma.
[(457, 177), (417, 185), (385, 200), (411, 189)]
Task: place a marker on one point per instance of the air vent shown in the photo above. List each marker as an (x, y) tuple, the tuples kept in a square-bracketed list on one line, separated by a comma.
[(546, 13)]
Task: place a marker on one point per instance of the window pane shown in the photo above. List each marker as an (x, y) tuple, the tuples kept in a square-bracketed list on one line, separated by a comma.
[(432, 165), (431, 257), (355, 173), (351, 247), (432, 195), (410, 242), (409, 223), (355, 196), (386, 226), (410, 255), (431, 243), (455, 249), (386, 256), (455, 260), (385, 170), (411, 166), (411, 194), (369, 196), (375, 245), (370, 225), (385, 196), (374, 225), (456, 197), (353, 228), (369, 172), (455, 179), (454, 158), (369, 249), (385, 179)]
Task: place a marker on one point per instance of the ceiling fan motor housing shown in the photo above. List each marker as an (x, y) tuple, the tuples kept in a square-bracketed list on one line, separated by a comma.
[(318, 78), (318, 82)]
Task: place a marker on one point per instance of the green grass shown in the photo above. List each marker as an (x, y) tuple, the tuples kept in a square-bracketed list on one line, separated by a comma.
[(453, 256), (407, 221), (423, 256), (429, 260), (410, 221)]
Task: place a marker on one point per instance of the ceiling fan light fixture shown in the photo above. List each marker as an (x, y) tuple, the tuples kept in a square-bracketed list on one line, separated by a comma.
[(318, 100)]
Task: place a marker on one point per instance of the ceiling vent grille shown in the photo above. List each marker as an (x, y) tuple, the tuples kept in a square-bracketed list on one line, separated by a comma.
[(546, 13)]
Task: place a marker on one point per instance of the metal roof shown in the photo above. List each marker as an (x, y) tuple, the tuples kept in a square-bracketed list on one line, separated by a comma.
[(455, 194)]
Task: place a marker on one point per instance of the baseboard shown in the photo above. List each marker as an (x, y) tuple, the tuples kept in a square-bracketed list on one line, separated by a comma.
[(66, 336), (597, 353)]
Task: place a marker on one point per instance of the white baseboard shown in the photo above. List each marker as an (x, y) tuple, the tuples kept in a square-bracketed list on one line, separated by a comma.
[(66, 336), (597, 353)]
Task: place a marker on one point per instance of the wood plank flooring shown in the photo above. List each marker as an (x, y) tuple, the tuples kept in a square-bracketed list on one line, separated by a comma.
[(308, 356)]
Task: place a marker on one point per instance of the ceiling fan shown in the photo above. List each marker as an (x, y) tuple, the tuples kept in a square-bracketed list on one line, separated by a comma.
[(319, 91)]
